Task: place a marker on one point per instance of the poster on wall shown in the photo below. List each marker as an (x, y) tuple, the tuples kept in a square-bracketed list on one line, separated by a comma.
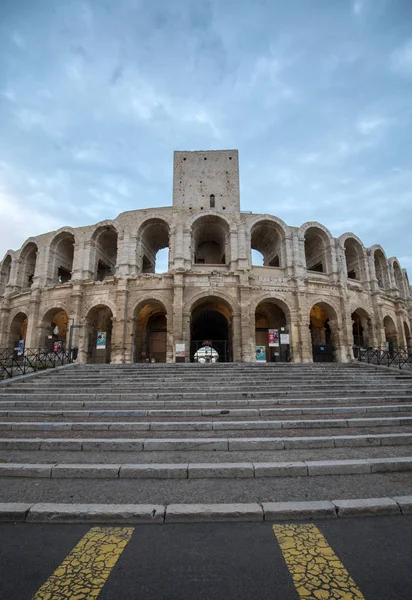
[(284, 338), (180, 351), (273, 337), (261, 353), (20, 348), (101, 340), (57, 346)]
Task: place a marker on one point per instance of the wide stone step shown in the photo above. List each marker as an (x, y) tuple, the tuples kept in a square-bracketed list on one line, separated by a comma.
[(116, 414), (240, 426), (221, 405), (211, 443), (194, 470)]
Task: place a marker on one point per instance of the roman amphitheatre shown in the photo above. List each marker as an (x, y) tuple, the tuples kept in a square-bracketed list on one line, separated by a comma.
[(98, 289)]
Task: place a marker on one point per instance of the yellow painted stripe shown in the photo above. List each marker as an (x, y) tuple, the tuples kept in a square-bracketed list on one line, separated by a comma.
[(317, 572), (86, 569)]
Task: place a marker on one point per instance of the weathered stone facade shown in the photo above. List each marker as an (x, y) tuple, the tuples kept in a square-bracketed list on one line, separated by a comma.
[(324, 291)]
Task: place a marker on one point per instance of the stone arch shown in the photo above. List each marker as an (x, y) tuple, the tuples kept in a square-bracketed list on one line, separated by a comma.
[(104, 244), (318, 247), (150, 331), (61, 256), (397, 275), (98, 328), (28, 259), (54, 328), (354, 257), (210, 240), (381, 268), (17, 328), (5, 272), (153, 235), (271, 314), (325, 331), (391, 332), (268, 237), (362, 328), (211, 327)]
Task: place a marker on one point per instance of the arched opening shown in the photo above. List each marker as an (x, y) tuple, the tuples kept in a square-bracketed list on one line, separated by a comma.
[(267, 238), (211, 328), (212, 201), (28, 259), (323, 323), (150, 332), (361, 328), (381, 269), (211, 241), (99, 334), (105, 242), (354, 259), (5, 273), (271, 332), (54, 327), (153, 247), (18, 330), (398, 278), (62, 248), (316, 250), (391, 334)]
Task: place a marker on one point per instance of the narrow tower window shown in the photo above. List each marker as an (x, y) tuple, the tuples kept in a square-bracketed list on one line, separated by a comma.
[(212, 201)]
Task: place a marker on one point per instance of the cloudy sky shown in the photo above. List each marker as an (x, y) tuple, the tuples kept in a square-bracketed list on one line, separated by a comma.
[(316, 95)]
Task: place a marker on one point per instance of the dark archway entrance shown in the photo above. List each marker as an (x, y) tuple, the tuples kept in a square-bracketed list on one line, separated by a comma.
[(99, 334), (211, 326), (270, 316), (322, 322), (150, 332)]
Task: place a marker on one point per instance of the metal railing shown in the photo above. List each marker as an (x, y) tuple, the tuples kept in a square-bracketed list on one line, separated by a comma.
[(12, 363), (397, 357)]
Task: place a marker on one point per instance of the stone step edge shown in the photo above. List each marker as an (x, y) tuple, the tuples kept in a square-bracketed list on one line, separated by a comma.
[(197, 444), (205, 425), (206, 470), (143, 411), (191, 513)]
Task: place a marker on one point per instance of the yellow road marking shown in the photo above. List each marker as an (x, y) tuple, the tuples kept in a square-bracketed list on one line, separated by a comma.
[(86, 569), (317, 572)]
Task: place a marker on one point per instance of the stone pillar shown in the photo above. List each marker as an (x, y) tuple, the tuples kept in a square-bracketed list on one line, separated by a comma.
[(33, 326), (119, 324), (293, 325), (4, 322), (177, 245), (175, 322), (233, 244), (242, 242), (76, 323), (247, 322), (338, 340), (236, 337)]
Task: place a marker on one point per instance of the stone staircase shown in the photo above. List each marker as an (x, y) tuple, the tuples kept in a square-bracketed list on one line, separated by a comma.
[(215, 433)]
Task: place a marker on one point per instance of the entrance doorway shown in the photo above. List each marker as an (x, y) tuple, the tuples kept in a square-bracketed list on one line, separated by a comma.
[(270, 316), (211, 327), (150, 332), (99, 334), (322, 333)]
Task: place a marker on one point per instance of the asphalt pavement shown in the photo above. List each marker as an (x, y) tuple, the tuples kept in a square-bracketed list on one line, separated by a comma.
[(208, 561)]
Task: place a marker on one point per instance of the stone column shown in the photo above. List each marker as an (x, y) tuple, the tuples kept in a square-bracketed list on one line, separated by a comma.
[(242, 242), (119, 324), (338, 340), (4, 322), (76, 323), (236, 337), (233, 244), (33, 326), (175, 322)]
